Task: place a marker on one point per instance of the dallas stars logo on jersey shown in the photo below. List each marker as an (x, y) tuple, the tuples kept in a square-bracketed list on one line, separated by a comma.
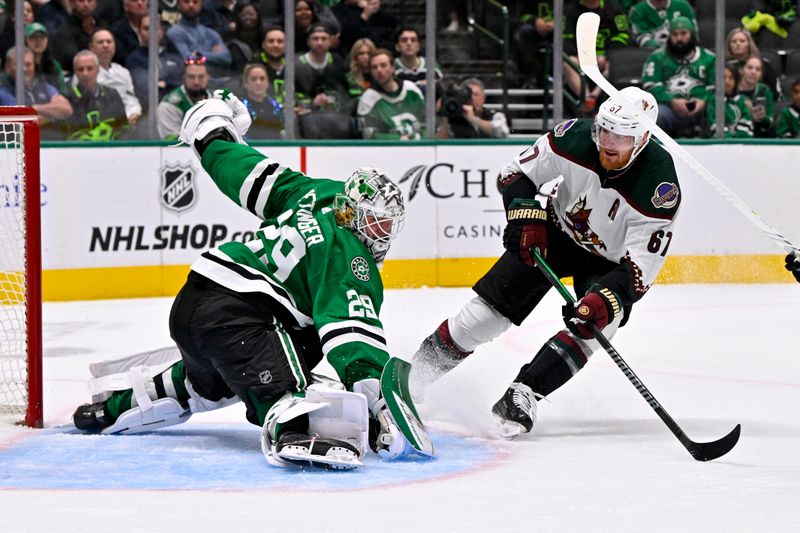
[(666, 77)]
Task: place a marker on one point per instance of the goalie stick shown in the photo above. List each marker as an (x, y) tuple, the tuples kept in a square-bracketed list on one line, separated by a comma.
[(702, 451), (586, 35)]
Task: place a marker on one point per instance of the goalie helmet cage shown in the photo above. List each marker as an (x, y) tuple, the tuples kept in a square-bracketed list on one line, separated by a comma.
[(20, 267)]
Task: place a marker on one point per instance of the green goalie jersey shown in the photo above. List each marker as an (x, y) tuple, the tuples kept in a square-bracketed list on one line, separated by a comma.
[(319, 272), (667, 78)]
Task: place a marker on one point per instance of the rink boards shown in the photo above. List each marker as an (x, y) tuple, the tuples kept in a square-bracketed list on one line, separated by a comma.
[(128, 220)]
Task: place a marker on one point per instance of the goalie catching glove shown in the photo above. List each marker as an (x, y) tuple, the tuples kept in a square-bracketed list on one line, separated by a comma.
[(598, 307), (793, 265), (526, 229), (385, 437), (223, 116)]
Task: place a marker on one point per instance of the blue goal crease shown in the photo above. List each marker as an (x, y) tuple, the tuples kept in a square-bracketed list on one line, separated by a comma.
[(218, 457)]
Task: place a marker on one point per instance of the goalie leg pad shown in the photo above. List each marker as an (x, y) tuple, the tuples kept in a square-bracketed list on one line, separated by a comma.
[(337, 421), (118, 374), (161, 413)]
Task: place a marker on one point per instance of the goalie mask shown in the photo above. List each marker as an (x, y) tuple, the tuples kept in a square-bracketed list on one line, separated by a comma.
[(371, 206), (624, 131)]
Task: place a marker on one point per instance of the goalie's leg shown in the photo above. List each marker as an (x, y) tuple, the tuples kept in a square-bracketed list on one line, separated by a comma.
[(140, 392)]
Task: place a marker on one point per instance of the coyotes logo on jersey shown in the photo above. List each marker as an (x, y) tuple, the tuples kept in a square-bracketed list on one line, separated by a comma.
[(577, 220)]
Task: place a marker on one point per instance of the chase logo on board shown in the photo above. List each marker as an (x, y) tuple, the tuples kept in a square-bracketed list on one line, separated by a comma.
[(177, 186)]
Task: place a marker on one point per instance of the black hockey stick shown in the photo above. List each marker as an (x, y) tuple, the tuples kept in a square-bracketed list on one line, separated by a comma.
[(702, 451)]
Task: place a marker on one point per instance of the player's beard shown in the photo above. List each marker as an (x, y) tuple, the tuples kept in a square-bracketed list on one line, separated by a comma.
[(682, 50), (615, 162), (195, 94)]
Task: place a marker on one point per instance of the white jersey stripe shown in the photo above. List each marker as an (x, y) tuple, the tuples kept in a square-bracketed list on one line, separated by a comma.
[(333, 326), (234, 281)]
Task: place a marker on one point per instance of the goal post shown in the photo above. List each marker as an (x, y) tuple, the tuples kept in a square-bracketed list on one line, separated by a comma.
[(20, 267)]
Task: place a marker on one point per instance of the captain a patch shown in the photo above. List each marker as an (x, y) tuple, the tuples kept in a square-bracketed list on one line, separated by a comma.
[(360, 268), (666, 195)]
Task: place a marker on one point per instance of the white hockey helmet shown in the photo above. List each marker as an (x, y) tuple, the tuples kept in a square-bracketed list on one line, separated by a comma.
[(613, 117), (371, 206)]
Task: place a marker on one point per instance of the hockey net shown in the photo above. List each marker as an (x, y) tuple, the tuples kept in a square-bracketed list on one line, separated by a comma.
[(20, 268)]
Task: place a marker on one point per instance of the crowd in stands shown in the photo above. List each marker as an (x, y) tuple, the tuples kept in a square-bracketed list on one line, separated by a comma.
[(678, 63), (360, 72)]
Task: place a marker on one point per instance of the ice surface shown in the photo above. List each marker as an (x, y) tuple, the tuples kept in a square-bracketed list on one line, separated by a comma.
[(600, 459)]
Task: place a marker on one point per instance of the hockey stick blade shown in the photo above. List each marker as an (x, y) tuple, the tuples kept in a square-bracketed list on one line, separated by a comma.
[(702, 451), (586, 36), (708, 451)]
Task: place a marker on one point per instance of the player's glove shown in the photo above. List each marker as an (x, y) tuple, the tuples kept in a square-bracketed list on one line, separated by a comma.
[(385, 437), (526, 228), (598, 307), (241, 116), (210, 120), (793, 266)]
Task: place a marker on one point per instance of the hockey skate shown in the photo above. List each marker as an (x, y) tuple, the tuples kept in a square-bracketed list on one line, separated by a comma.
[(515, 412), (92, 417), (304, 450)]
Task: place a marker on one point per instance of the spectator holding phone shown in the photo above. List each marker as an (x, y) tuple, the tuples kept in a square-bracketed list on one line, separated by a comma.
[(759, 97), (681, 77)]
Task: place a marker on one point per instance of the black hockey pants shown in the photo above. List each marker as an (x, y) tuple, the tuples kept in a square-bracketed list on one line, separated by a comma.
[(515, 289), (241, 343)]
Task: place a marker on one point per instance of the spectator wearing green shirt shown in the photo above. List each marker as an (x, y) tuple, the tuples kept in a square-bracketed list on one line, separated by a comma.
[(738, 120), (758, 96), (650, 20), (681, 77), (391, 108), (788, 123)]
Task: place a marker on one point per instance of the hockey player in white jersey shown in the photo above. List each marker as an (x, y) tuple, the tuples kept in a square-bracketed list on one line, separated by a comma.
[(608, 224)]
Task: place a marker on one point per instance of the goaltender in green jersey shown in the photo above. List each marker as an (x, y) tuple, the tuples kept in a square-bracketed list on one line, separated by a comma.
[(254, 318)]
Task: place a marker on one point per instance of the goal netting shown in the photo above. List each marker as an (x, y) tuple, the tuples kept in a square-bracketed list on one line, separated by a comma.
[(20, 268)]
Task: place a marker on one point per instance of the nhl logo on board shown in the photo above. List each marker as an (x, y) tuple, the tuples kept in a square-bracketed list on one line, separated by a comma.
[(666, 195), (360, 268), (177, 186)]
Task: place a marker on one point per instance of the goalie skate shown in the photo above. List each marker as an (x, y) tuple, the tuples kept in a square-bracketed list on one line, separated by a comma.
[(304, 450)]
